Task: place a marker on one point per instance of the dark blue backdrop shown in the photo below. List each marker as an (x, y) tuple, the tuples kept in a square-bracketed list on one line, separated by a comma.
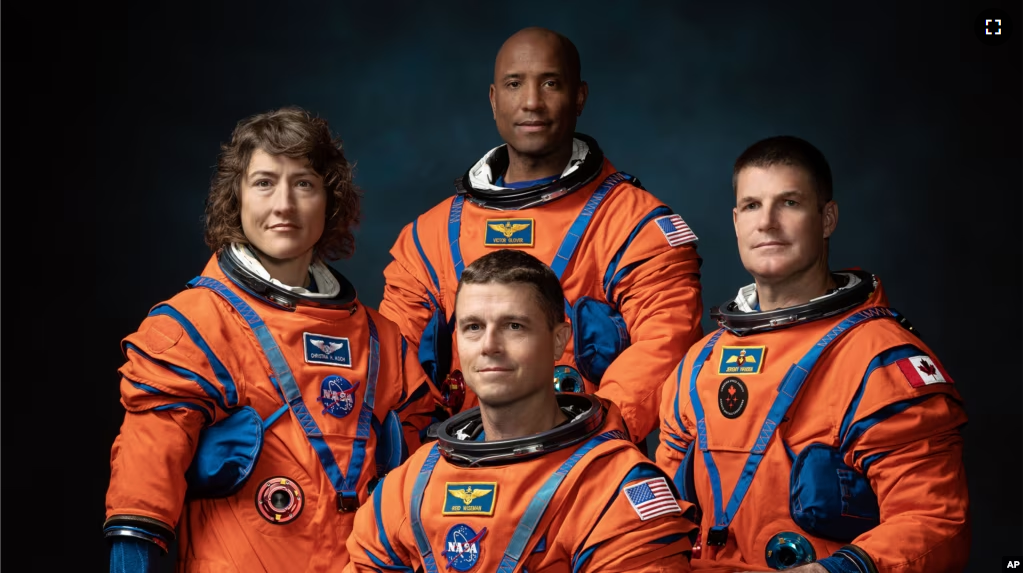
[(677, 90)]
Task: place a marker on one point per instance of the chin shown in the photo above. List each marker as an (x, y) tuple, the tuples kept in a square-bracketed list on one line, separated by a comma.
[(284, 252), (771, 269)]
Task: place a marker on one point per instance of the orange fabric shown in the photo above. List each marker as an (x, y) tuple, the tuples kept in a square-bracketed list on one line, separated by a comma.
[(660, 298), (154, 448), (919, 480), (587, 515)]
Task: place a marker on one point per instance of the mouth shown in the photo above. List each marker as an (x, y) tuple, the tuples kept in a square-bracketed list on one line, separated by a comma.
[(494, 369), (283, 227), (769, 244), (532, 125)]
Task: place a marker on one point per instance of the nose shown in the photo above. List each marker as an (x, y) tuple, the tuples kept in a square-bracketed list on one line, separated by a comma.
[(531, 97), (768, 218), (490, 342), (283, 198)]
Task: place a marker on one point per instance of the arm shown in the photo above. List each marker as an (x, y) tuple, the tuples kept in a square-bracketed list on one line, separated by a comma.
[(674, 438), (170, 389), (659, 296), (652, 539), (374, 544), (906, 440), (419, 410), (410, 292)]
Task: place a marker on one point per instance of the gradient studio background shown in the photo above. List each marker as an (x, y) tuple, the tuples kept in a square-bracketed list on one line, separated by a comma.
[(677, 90)]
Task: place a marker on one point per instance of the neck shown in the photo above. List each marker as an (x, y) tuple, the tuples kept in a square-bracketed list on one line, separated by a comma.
[(526, 417), (794, 290), (292, 272), (527, 168)]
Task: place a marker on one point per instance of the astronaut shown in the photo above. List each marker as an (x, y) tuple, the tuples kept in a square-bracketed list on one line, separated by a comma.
[(628, 264), (815, 429), (264, 401), (531, 479)]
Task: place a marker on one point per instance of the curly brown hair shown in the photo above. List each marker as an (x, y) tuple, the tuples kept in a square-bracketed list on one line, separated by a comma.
[(292, 132)]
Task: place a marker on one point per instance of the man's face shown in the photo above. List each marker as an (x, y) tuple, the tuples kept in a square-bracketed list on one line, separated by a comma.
[(534, 104), (506, 348), (779, 229), (283, 206)]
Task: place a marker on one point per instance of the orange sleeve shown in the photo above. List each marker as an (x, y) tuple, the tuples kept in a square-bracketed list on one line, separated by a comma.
[(643, 527), (906, 440), (410, 291), (674, 440), (418, 410), (659, 296), (381, 538), (172, 386)]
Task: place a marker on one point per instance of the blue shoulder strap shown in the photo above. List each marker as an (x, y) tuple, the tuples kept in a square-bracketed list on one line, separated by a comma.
[(787, 392), (345, 487), (527, 524), (569, 242)]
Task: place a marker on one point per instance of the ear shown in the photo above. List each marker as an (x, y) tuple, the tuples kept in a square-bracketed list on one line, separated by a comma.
[(562, 333), (736, 229), (581, 97), (829, 219), (490, 96)]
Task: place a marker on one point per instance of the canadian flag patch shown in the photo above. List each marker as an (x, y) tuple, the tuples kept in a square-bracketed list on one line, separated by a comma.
[(922, 371)]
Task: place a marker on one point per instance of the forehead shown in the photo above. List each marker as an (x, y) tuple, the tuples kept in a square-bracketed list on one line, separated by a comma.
[(263, 161), (531, 53), (493, 299), (773, 180)]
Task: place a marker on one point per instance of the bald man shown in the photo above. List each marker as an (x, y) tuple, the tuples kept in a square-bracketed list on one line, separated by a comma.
[(627, 263)]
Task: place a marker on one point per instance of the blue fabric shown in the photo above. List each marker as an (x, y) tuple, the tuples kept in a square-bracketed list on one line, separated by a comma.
[(829, 499), (435, 350), (132, 555), (226, 454), (599, 334), (838, 564), (391, 447)]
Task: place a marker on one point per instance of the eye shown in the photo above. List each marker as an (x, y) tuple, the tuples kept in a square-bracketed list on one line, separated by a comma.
[(790, 203), (750, 206), (512, 84), (262, 183), (515, 326)]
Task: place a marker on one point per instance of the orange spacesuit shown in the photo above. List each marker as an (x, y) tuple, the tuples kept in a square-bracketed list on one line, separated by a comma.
[(628, 265), (218, 349), (585, 501), (828, 438)]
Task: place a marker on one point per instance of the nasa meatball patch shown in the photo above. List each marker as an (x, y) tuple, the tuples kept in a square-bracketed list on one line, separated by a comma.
[(329, 350), (732, 397), (462, 547)]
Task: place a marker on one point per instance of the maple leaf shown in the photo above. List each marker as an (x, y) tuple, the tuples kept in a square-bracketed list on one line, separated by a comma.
[(927, 368)]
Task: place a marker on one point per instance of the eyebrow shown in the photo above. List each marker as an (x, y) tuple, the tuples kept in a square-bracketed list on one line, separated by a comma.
[(263, 173), (784, 195), (520, 75), (503, 318)]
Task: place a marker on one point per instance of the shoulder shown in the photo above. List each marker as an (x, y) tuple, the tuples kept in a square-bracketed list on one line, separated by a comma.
[(892, 367)]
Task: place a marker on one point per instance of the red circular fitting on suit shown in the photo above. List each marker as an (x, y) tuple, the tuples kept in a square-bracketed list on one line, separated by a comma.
[(453, 393), (279, 500)]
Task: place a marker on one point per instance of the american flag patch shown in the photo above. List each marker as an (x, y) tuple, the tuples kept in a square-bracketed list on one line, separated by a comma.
[(652, 498), (676, 231)]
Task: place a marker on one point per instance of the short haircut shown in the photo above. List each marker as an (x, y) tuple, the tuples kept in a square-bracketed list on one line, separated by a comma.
[(509, 266), (292, 132), (791, 151)]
